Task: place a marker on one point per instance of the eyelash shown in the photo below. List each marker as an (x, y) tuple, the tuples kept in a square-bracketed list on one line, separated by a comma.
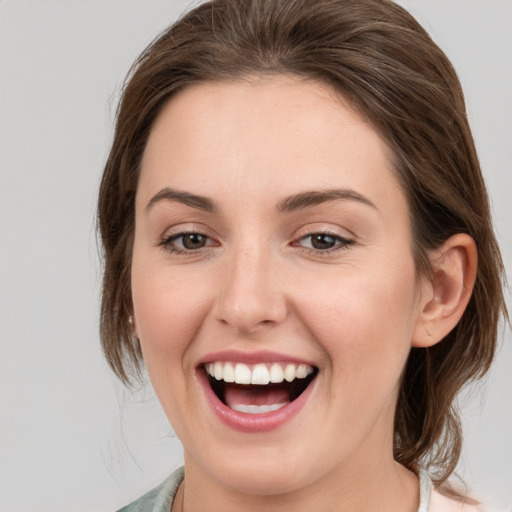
[(342, 243), (167, 243)]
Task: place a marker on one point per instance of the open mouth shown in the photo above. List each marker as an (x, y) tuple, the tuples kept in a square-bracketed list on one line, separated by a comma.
[(259, 388)]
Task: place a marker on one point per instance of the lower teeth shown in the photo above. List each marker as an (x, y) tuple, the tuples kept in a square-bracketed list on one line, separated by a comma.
[(257, 409)]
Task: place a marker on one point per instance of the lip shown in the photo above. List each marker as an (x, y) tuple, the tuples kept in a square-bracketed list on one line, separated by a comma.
[(252, 423), (235, 356)]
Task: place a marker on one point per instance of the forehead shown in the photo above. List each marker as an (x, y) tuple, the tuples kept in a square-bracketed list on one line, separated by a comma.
[(270, 135)]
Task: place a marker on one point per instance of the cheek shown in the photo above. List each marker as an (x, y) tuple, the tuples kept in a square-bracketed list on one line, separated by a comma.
[(168, 314), (363, 320), (169, 308)]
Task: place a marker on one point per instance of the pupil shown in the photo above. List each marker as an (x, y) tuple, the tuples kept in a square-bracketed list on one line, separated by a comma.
[(194, 241), (322, 241)]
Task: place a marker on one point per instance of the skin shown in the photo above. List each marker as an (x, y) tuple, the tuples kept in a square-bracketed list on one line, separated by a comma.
[(259, 284)]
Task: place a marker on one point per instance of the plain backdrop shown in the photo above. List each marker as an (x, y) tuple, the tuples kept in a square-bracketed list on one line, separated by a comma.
[(71, 439)]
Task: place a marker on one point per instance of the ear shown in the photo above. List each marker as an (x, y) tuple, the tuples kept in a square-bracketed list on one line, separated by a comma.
[(133, 324), (445, 294)]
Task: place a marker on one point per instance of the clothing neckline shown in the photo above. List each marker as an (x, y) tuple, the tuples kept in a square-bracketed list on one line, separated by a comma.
[(425, 490)]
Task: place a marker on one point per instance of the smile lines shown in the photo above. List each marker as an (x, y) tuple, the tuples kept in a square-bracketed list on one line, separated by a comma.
[(259, 374)]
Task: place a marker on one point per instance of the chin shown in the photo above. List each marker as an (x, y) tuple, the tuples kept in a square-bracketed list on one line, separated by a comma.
[(270, 478)]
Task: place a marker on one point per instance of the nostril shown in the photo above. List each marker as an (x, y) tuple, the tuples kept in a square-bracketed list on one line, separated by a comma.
[(251, 319)]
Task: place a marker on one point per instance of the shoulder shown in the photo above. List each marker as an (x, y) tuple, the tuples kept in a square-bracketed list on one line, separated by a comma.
[(158, 499), (441, 503), (433, 500)]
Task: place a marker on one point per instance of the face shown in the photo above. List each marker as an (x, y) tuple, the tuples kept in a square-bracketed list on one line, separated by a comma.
[(274, 288)]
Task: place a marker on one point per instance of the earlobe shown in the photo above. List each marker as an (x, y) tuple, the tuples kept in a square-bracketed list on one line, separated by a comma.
[(446, 293), (133, 325)]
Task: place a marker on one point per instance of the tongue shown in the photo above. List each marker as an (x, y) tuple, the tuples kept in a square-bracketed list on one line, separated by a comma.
[(255, 395)]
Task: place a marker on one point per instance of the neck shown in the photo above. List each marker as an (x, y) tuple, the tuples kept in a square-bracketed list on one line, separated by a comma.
[(382, 485)]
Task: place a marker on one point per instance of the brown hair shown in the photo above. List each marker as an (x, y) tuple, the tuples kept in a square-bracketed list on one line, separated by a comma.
[(380, 59)]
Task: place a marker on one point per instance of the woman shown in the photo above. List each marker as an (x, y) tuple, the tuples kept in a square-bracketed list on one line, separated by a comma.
[(298, 245)]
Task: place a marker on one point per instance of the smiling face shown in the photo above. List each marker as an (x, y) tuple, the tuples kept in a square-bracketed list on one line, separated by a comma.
[(273, 247)]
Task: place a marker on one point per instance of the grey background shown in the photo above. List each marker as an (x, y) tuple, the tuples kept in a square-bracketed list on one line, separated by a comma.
[(71, 438)]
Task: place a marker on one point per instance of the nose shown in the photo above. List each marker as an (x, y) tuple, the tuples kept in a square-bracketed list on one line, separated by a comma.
[(251, 297)]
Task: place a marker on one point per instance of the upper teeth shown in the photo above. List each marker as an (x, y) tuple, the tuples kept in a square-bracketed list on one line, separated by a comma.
[(261, 373)]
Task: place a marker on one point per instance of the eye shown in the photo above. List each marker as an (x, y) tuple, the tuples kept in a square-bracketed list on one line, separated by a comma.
[(191, 241), (323, 242), (186, 242)]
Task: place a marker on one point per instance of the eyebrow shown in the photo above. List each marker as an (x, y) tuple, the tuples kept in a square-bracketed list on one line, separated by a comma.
[(186, 198), (311, 198), (291, 203)]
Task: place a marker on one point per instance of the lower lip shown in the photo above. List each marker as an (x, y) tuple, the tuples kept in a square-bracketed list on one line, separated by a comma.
[(253, 423)]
